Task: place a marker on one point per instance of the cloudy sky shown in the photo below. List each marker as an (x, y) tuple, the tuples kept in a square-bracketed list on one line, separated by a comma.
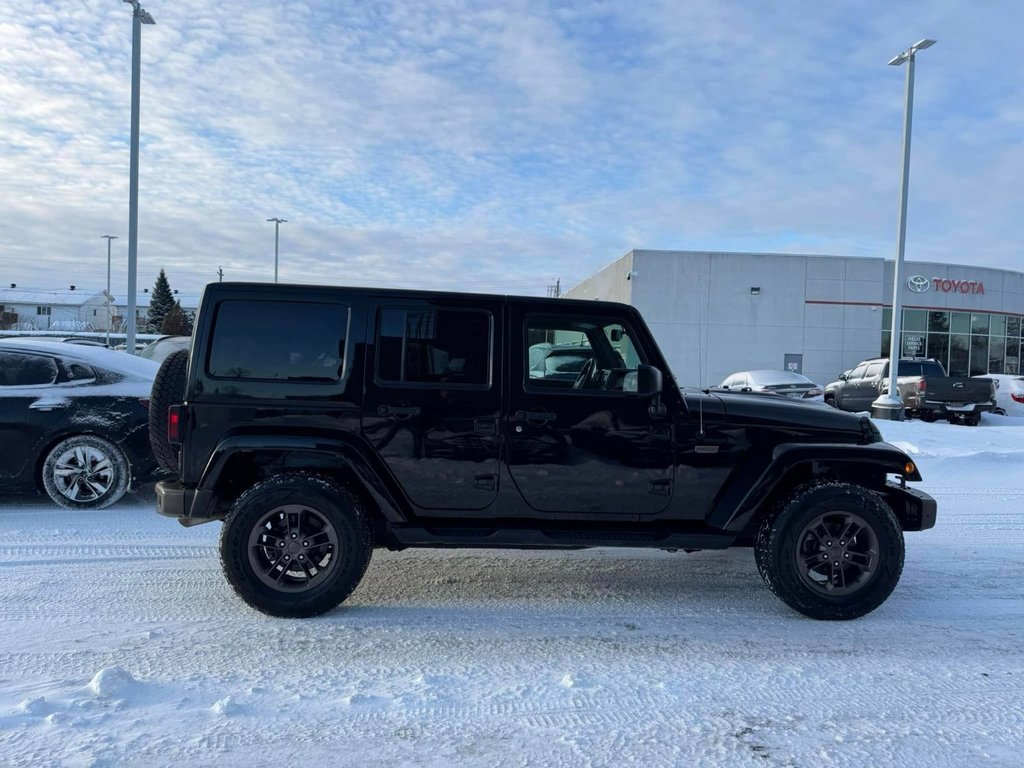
[(500, 145)]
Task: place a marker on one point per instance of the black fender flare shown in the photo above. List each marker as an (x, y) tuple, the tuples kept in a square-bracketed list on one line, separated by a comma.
[(335, 452), (734, 509)]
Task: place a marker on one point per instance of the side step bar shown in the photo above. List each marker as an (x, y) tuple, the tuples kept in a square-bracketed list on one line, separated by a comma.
[(530, 538)]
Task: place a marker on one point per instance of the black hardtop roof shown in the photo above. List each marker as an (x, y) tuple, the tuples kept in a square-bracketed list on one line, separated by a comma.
[(295, 288)]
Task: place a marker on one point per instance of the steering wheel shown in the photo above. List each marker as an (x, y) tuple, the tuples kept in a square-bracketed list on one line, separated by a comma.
[(586, 372)]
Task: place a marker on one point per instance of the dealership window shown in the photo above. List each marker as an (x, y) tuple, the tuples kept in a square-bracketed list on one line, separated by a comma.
[(1012, 365), (960, 322), (938, 322), (979, 355), (966, 343), (915, 320)]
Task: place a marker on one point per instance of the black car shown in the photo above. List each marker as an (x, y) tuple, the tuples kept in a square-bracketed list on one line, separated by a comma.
[(73, 421), (318, 423)]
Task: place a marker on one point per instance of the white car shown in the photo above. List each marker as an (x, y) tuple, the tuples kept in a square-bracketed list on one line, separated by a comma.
[(785, 383), (1009, 392)]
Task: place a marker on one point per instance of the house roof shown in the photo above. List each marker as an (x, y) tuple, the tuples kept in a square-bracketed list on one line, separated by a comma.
[(76, 298), (45, 297)]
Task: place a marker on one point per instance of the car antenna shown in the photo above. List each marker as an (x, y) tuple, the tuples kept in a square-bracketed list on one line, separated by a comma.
[(700, 365)]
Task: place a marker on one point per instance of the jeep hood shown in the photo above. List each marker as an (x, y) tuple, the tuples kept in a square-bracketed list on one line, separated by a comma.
[(756, 410)]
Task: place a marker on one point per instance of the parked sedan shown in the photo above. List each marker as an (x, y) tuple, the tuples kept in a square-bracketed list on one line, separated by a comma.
[(73, 421), (785, 383), (1009, 393), (160, 349)]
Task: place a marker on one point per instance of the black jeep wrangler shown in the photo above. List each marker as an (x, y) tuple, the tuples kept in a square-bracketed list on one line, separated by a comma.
[(318, 423)]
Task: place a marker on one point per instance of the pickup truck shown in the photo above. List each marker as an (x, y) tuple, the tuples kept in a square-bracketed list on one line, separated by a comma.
[(318, 423), (925, 389)]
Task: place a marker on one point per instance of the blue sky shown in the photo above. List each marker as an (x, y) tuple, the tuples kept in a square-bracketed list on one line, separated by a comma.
[(499, 146)]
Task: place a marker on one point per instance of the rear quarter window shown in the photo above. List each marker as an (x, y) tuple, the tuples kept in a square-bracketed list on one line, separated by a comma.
[(278, 341), (26, 370)]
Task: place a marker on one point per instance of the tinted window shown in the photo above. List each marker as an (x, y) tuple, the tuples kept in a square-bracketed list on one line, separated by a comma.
[(908, 368), (873, 370), (570, 343), (285, 340), (434, 346), (79, 371), (18, 370)]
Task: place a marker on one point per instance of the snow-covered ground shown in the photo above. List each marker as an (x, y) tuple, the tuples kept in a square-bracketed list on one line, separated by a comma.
[(121, 644)]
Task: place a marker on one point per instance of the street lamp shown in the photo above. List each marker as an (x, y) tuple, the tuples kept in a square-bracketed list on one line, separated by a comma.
[(140, 16), (109, 238), (277, 232), (890, 405)]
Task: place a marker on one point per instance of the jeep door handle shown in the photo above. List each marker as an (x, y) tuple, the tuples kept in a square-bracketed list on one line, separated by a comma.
[(399, 411), (536, 418)]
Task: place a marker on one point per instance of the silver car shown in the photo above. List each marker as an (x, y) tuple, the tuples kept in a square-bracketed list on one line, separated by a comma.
[(785, 383)]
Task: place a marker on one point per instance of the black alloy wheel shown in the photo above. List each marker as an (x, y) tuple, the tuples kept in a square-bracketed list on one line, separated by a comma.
[(293, 548), (837, 553), (830, 550), (296, 544)]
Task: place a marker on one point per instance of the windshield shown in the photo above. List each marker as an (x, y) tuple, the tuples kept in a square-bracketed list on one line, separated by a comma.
[(922, 368), (767, 378)]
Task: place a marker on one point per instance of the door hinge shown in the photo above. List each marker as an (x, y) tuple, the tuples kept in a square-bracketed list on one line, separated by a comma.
[(485, 482), (660, 487)]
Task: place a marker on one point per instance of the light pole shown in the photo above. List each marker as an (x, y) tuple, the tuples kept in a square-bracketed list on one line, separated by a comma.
[(890, 405), (277, 232), (139, 17), (109, 238)]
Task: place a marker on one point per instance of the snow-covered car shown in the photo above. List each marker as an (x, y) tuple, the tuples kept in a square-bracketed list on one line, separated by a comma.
[(785, 383), (1009, 392), (74, 421), (158, 350)]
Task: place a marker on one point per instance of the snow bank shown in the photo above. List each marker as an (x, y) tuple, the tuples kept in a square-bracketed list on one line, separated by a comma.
[(997, 435)]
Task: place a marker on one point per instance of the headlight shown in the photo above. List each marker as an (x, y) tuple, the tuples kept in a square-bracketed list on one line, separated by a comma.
[(812, 392)]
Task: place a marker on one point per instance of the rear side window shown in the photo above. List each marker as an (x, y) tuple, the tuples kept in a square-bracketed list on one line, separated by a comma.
[(18, 370), (873, 370), (434, 346), (279, 340)]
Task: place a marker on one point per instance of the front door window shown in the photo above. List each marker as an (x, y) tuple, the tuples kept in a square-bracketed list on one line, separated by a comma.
[(581, 439)]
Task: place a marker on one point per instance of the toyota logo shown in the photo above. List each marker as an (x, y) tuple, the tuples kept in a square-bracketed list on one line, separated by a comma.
[(918, 283)]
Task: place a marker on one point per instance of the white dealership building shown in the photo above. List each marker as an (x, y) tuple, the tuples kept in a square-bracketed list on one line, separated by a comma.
[(717, 313)]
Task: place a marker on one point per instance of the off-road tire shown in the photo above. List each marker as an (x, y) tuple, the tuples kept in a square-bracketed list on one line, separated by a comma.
[(778, 539), (342, 508), (927, 415), (168, 389), (115, 480)]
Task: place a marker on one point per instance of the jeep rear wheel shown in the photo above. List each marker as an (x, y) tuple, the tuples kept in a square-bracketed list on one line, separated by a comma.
[(296, 545), (831, 551)]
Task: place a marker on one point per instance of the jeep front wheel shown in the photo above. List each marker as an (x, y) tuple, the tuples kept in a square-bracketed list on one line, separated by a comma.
[(296, 545), (832, 551)]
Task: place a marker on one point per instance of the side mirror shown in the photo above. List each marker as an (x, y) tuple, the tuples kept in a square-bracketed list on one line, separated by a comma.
[(648, 381), (842, 377), (649, 384), (616, 335)]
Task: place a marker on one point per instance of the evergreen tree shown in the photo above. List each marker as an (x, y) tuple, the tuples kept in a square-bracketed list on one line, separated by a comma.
[(161, 301), (176, 322)]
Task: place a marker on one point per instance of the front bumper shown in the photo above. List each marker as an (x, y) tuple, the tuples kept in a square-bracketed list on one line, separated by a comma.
[(915, 509)]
